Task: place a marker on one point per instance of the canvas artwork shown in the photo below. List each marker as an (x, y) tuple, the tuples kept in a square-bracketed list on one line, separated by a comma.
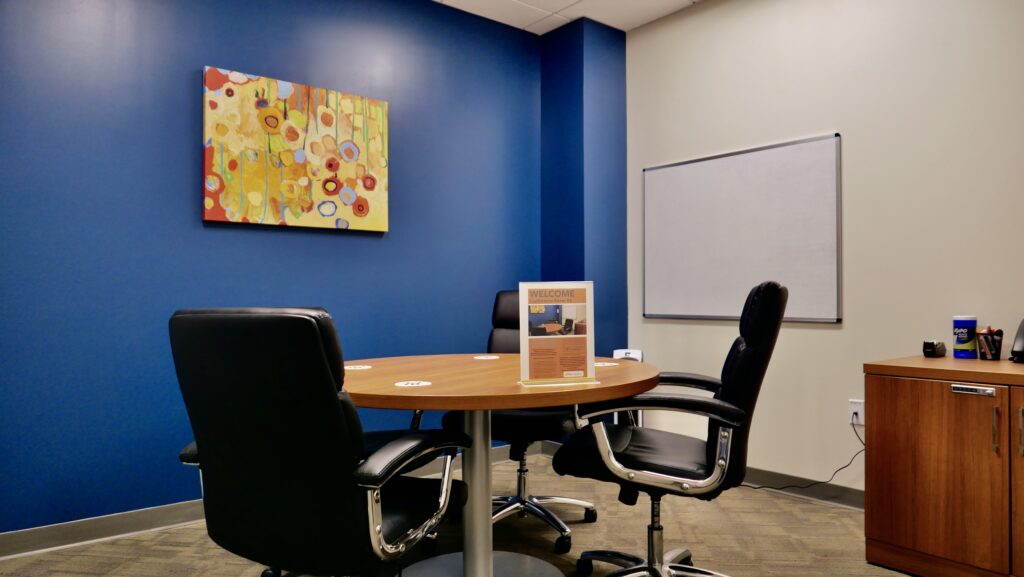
[(281, 153)]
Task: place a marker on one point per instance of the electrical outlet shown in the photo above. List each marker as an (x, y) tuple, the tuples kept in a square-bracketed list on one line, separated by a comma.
[(856, 415)]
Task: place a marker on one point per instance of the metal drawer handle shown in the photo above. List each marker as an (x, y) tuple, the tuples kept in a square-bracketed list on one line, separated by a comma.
[(995, 429), (1020, 431), (971, 390)]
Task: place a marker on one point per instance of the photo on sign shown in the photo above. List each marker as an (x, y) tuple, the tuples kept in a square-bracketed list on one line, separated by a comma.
[(557, 320)]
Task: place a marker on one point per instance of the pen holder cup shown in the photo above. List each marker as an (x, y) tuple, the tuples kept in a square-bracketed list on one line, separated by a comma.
[(989, 346)]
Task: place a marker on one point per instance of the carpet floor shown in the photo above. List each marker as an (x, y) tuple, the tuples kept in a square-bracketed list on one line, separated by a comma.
[(743, 533)]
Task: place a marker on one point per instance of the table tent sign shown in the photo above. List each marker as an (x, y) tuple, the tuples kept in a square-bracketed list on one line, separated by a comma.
[(556, 332)]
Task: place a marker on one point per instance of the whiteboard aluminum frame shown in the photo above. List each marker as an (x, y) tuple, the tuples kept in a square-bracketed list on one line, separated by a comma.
[(839, 231)]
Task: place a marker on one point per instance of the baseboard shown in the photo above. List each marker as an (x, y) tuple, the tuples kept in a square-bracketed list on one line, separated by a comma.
[(827, 492), (16, 543), (36, 539), (546, 448)]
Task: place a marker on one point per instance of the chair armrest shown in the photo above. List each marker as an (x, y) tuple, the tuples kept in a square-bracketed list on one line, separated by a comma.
[(385, 462), (189, 454), (691, 380), (716, 409)]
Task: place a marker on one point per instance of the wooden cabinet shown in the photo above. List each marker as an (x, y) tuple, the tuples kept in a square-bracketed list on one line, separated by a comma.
[(944, 478), (1017, 478)]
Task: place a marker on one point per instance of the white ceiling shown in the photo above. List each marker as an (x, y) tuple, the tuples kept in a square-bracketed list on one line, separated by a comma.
[(541, 16)]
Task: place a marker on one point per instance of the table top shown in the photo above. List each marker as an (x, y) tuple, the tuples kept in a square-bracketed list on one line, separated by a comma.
[(551, 327), (1001, 372), (482, 381)]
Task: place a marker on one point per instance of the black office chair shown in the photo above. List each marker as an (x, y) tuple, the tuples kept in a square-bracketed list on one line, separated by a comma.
[(660, 463), (523, 427), (567, 327), (288, 477)]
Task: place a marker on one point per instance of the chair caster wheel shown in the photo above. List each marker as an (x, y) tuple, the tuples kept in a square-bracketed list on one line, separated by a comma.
[(271, 572), (584, 567), (589, 515), (563, 544)]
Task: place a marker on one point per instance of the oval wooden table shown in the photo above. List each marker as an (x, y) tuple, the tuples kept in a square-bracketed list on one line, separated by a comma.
[(478, 384)]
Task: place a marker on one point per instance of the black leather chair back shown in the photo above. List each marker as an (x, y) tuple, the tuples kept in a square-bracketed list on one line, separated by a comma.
[(505, 320), (745, 367), (277, 445)]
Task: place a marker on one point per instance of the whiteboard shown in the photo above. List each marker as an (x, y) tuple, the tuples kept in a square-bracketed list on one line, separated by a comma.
[(715, 227)]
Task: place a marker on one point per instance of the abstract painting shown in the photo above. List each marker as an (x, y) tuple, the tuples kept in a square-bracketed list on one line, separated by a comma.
[(282, 153)]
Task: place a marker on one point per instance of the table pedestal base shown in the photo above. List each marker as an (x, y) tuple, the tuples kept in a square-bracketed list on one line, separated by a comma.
[(506, 564)]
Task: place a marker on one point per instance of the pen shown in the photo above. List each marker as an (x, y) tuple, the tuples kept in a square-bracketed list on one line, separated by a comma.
[(985, 351)]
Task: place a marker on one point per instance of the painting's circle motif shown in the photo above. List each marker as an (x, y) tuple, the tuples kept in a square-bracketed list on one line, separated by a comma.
[(340, 223), (291, 133), (270, 119), (327, 208), (349, 151), (214, 183), (361, 207), (332, 164), (331, 186), (348, 196), (232, 165), (255, 198), (369, 182)]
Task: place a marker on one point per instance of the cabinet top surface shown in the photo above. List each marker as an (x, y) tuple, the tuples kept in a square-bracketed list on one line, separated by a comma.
[(947, 368)]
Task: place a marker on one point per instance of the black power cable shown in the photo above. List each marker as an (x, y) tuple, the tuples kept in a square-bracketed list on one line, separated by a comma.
[(834, 473)]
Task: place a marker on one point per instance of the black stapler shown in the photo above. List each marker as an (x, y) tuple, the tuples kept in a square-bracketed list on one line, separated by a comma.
[(1017, 352)]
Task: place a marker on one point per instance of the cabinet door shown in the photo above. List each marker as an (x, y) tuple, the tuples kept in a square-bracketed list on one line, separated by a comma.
[(1017, 478), (937, 477)]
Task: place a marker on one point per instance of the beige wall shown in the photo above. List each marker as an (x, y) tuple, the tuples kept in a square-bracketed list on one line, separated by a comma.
[(929, 98)]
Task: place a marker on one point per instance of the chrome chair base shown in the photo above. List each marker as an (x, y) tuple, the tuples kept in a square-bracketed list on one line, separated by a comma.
[(675, 563), (523, 505)]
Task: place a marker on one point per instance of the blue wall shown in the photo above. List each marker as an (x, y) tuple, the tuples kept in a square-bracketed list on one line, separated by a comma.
[(604, 180), (562, 155), (101, 236), (583, 168)]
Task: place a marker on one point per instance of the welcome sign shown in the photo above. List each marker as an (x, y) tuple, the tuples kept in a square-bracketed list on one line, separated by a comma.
[(556, 328)]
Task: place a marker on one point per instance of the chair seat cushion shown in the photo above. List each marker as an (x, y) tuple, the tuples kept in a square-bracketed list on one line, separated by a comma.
[(637, 448), (406, 502), (521, 425)]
